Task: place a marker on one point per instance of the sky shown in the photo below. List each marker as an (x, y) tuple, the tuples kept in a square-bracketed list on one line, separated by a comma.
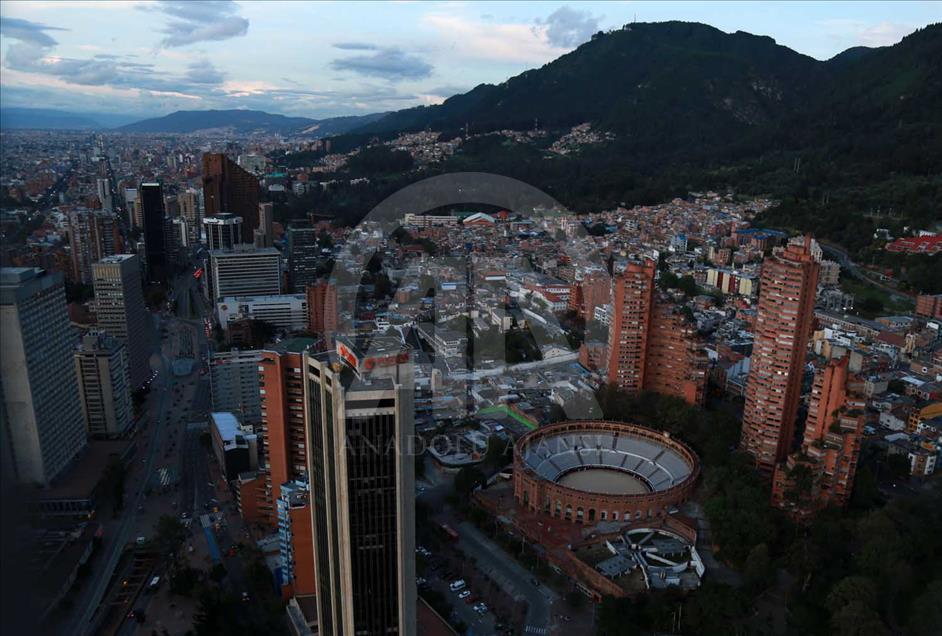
[(337, 58)]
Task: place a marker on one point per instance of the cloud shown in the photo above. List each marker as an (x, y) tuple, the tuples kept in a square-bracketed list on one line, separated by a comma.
[(203, 72), (388, 63), (200, 21), (567, 28), (356, 46), (859, 33), (32, 51), (509, 42), (28, 32)]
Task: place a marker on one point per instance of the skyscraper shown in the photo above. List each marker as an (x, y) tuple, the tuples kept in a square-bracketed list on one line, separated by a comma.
[(278, 494), (304, 252), (652, 346), (119, 304), (245, 271), (189, 205), (360, 420), (630, 327), (101, 365), (783, 325), (227, 187), (154, 219), (43, 421)]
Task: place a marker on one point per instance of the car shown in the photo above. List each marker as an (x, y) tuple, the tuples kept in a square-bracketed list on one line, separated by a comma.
[(480, 608), (464, 594), (454, 586)]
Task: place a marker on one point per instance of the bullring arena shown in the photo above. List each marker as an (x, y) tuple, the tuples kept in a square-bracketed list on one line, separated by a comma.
[(590, 471)]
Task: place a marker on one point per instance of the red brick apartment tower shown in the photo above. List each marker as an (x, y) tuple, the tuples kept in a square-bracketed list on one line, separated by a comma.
[(282, 432), (227, 187), (830, 450), (632, 296), (676, 363), (783, 326), (652, 347), (322, 307)]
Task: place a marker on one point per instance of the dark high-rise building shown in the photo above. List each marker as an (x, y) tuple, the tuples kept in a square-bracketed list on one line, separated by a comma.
[(227, 187), (303, 254), (359, 412), (783, 325), (155, 233)]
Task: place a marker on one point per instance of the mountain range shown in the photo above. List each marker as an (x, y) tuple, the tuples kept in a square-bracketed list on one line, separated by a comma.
[(246, 122), (51, 119), (690, 83), (233, 121)]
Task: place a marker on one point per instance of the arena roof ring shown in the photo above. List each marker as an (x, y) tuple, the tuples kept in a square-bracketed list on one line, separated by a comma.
[(601, 463)]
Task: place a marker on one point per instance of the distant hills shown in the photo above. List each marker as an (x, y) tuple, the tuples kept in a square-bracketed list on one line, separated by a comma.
[(50, 119), (246, 122), (184, 121)]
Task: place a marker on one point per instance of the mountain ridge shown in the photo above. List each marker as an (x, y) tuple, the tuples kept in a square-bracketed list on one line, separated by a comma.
[(246, 121)]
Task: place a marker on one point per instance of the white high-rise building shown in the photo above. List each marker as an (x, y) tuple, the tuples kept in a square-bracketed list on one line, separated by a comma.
[(245, 271), (43, 428), (285, 311)]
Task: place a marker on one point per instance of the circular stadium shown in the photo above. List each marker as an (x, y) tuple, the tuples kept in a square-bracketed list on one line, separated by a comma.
[(590, 471)]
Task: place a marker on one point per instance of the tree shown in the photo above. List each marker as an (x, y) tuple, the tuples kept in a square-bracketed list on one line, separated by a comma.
[(467, 479), (758, 567), (898, 465), (218, 573), (262, 332), (183, 580), (852, 589), (499, 451), (687, 285), (170, 534)]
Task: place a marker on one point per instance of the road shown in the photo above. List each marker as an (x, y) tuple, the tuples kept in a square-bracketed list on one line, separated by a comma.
[(509, 575), (160, 423), (861, 274), (119, 537)]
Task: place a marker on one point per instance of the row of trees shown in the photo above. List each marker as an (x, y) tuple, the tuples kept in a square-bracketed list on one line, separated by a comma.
[(869, 570)]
